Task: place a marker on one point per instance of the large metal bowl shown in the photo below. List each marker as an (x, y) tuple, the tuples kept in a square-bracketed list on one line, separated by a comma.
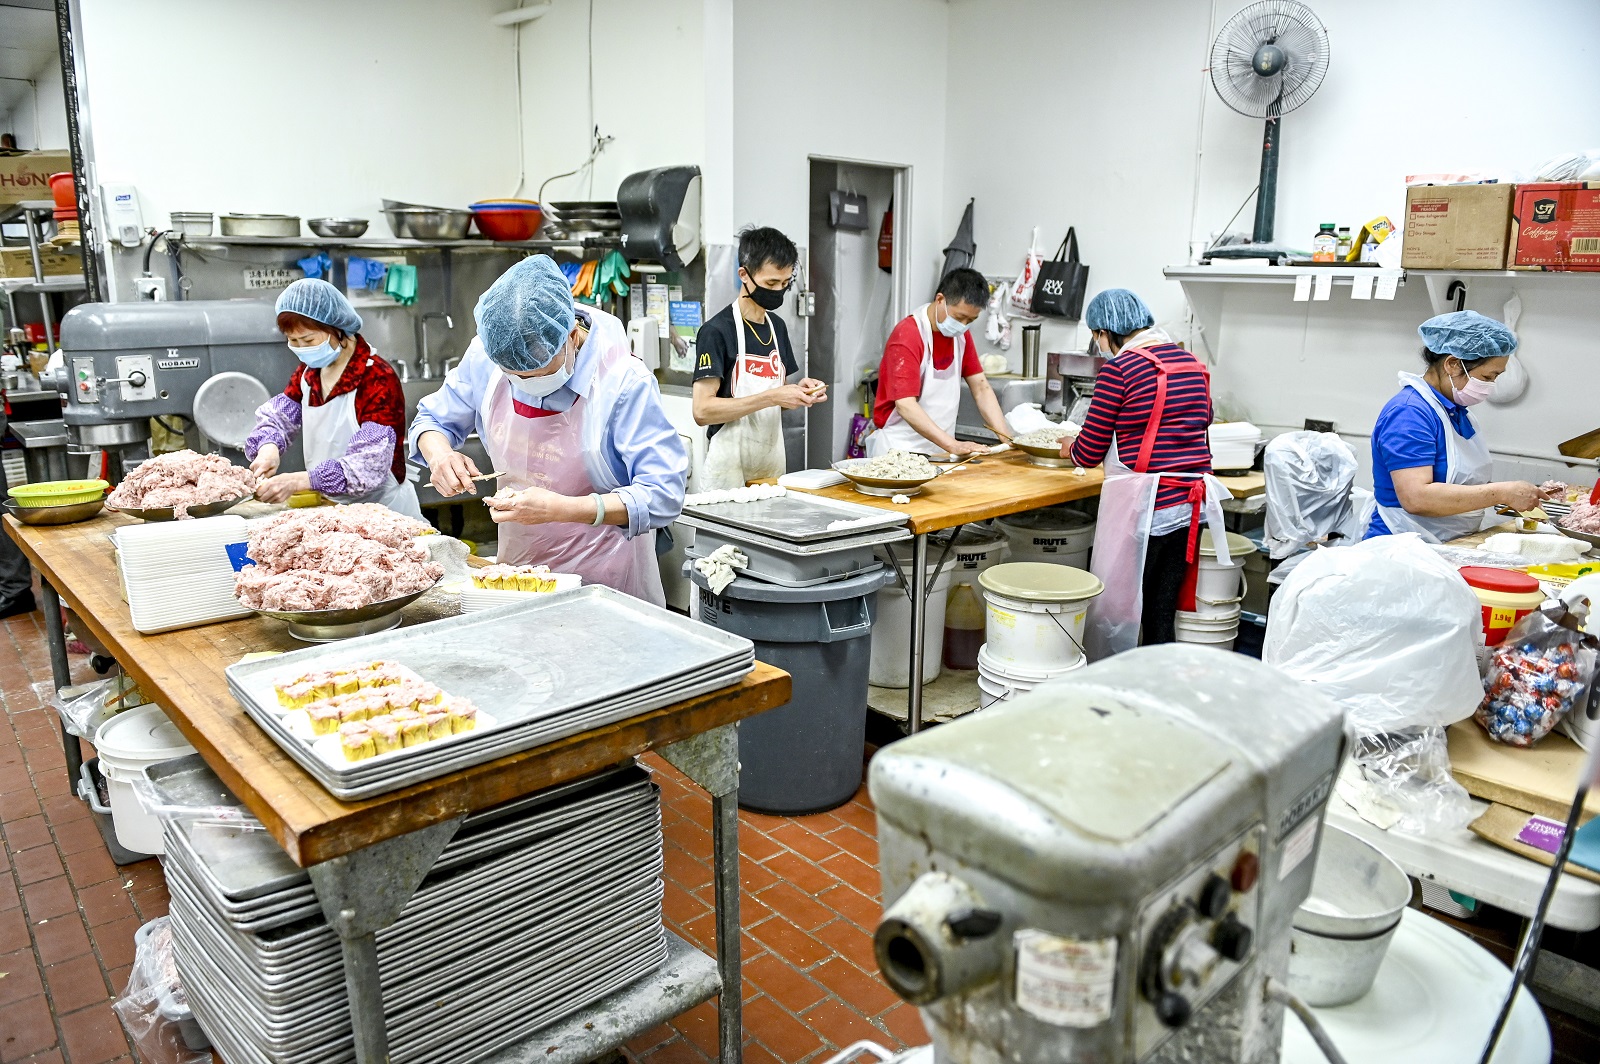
[(260, 225), (881, 486), (1049, 457), (324, 626), (55, 515), (337, 227), (427, 223), (1582, 537), (166, 513)]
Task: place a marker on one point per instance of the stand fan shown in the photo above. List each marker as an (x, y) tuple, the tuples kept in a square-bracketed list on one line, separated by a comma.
[(1268, 60)]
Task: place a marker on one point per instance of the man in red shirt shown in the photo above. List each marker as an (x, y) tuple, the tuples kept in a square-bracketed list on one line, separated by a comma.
[(919, 378)]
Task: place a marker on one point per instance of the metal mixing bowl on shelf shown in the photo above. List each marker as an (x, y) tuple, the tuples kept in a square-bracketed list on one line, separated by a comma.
[(338, 227), (428, 223), (268, 225)]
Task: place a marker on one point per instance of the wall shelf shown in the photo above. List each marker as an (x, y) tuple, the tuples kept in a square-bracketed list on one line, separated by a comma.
[(72, 282), (394, 243)]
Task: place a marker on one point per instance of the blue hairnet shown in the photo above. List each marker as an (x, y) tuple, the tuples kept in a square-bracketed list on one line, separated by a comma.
[(1468, 335), (525, 316), (319, 301), (1117, 311)]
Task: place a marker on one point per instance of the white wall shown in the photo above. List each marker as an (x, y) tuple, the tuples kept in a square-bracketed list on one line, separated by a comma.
[(300, 107), (649, 92), (1114, 102), (850, 80), (52, 108)]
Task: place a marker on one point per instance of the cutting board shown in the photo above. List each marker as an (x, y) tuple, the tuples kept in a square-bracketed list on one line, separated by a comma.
[(1585, 446), (1501, 824), (1540, 778)]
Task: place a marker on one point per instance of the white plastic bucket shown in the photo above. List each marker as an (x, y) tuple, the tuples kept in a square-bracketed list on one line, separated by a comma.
[(1219, 589), (127, 743), (1218, 631), (1049, 535), (891, 633), (1034, 622), (998, 682)]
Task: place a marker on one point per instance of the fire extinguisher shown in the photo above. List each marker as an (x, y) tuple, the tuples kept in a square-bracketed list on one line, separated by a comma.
[(886, 240)]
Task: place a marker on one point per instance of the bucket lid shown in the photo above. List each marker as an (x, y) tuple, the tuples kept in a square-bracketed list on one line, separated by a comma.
[(1238, 546), (1508, 581), (141, 734), (1040, 582), (1047, 520), (1005, 670), (753, 590), (981, 538)]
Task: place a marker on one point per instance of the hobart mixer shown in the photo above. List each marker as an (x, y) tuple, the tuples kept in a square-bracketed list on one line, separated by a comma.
[(125, 363), (1106, 868)]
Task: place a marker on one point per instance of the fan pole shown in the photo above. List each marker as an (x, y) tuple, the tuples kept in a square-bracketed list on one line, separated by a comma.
[(1267, 195)]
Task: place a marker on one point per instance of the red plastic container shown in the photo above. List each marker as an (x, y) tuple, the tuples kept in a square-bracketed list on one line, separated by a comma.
[(64, 190), (508, 224), (1506, 596)]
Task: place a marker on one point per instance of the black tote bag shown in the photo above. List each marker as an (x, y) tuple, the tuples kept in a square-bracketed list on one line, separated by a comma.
[(1062, 282)]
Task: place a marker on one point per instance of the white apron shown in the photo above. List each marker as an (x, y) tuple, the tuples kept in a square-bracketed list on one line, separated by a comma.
[(1122, 530), (1466, 462), (940, 399), (750, 448), (548, 452), (325, 433)]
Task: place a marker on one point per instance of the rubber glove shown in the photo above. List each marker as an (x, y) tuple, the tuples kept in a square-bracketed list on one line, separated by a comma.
[(365, 273), (315, 265), (400, 284), (615, 268), (570, 271)]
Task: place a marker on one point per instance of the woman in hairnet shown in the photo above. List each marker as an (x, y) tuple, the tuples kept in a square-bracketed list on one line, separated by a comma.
[(592, 467), (1147, 421), (343, 400), (1430, 463)]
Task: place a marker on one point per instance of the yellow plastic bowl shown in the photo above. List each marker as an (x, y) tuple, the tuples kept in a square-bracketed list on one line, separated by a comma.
[(59, 492), (301, 499)]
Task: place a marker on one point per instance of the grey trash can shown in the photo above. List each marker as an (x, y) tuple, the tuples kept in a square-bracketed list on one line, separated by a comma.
[(806, 755)]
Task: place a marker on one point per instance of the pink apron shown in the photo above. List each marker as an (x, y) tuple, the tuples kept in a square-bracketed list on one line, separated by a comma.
[(547, 452)]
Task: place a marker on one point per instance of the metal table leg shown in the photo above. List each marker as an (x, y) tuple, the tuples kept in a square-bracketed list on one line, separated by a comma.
[(919, 622), (61, 675), (362, 893), (711, 760)]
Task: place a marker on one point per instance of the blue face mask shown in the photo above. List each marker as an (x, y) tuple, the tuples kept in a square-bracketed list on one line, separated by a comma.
[(316, 357)]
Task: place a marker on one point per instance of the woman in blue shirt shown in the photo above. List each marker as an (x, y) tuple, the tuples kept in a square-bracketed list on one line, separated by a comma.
[(1430, 464)]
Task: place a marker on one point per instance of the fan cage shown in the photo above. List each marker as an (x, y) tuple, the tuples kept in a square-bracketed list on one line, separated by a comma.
[(1294, 28)]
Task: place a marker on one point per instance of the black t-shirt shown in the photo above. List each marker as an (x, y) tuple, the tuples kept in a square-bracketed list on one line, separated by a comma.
[(716, 349)]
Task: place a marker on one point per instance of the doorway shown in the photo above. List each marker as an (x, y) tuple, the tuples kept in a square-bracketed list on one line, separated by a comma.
[(857, 302)]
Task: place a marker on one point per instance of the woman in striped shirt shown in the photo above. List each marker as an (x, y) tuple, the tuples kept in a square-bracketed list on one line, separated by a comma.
[(1147, 422)]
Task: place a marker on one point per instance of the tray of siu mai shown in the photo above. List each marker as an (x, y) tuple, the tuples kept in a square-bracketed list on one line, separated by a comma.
[(376, 713)]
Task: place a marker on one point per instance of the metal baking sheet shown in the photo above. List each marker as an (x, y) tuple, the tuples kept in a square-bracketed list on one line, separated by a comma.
[(797, 517), (729, 534), (519, 663)]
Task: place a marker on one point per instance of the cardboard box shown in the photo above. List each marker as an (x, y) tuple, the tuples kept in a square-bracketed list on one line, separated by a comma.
[(18, 262), (1457, 227), (1556, 227), (26, 176)]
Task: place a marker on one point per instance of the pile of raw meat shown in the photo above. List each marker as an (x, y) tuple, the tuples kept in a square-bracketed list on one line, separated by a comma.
[(1583, 518), (180, 480), (335, 558)]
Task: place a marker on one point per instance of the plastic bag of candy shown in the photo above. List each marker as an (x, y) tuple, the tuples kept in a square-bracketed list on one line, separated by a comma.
[(1542, 671)]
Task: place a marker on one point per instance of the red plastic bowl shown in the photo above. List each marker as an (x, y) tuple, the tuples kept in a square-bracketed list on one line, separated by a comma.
[(508, 225), (64, 191)]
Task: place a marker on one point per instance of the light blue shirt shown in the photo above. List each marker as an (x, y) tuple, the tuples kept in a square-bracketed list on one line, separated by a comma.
[(639, 447)]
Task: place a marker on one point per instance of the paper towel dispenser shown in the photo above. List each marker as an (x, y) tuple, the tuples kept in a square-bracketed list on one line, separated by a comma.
[(661, 215)]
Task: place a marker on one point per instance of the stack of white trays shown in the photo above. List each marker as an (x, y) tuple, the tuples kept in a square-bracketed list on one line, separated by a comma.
[(178, 574)]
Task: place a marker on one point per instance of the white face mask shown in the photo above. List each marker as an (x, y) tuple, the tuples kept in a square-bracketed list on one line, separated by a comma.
[(539, 387), (950, 326)]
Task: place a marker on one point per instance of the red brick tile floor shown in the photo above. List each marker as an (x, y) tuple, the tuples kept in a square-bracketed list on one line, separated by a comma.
[(68, 914)]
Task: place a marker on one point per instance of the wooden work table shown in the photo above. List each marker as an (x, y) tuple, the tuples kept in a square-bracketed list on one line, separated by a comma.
[(182, 672)]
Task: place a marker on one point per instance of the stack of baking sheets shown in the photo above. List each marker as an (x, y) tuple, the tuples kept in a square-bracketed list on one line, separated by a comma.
[(536, 909), (540, 670), (796, 540)]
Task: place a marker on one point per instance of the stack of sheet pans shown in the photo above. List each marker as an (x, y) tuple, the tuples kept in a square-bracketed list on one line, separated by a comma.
[(535, 909), (796, 540), (540, 670)]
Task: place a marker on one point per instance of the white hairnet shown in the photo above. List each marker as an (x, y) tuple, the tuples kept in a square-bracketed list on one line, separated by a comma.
[(526, 315), (321, 302)]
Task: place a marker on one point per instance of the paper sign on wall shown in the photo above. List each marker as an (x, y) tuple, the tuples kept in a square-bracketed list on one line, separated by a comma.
[(1361, 286), (1302, 288), (1388, 284), (1324, 286)]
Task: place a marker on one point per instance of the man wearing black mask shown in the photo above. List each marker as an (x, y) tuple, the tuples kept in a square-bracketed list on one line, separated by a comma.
[(742, 359)]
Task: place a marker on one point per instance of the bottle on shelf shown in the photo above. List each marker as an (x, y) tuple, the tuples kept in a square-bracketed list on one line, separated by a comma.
[(1325, 245), (1343, 252), (965, 622)]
